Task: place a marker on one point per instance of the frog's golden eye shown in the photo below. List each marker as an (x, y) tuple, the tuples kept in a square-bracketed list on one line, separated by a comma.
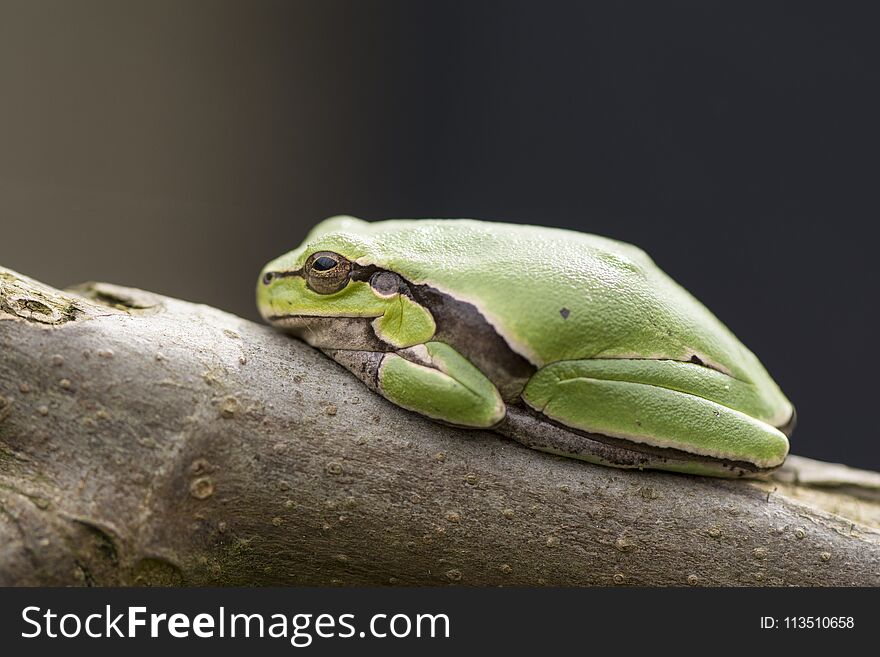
[(326, 272)]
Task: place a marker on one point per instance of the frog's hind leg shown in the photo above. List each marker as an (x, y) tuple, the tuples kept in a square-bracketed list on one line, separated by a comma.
[(646, 414)]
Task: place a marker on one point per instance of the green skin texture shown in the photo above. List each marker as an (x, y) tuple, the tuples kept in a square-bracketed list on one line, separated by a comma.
[(611, 336)]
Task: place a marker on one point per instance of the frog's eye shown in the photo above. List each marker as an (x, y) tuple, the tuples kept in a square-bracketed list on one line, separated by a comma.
[(327, 272)]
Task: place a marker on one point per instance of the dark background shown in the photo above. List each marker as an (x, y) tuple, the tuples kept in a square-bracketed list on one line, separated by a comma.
[(178, 146)]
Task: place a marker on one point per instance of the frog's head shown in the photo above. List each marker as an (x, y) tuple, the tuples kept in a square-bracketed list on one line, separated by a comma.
[(330, 293)]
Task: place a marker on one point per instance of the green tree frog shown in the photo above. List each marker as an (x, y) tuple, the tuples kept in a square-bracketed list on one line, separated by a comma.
[(569, 343)]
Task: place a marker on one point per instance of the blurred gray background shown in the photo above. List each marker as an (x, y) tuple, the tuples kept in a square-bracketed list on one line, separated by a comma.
[(178, 146)]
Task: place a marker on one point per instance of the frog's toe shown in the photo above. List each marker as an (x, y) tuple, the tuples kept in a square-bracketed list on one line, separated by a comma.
[(788, 427)]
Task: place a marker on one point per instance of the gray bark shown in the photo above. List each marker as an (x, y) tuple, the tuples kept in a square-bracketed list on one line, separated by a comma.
[(146, 440)]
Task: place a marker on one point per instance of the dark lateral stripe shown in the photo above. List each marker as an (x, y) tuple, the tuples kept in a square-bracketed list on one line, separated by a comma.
[(361, 273), (287, 274), (464, 328)]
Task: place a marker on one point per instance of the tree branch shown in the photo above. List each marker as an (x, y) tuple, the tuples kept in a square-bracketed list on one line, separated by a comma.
[(145, 440)]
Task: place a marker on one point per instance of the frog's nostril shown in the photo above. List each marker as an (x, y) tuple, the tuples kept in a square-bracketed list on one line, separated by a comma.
[(267, 277)]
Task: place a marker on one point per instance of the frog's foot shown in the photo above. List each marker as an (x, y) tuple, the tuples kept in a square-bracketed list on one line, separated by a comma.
[(645, 414), (432, 379)]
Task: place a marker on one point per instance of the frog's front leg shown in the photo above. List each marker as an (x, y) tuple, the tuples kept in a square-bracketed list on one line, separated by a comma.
[(432, 379)]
